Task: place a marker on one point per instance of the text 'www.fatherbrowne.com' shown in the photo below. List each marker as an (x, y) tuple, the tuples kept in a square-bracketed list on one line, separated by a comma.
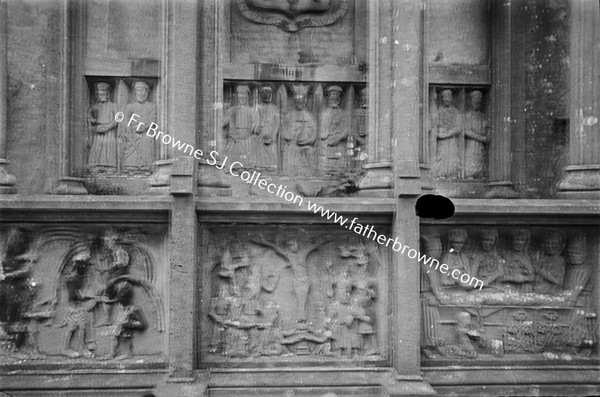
[(281, 191)]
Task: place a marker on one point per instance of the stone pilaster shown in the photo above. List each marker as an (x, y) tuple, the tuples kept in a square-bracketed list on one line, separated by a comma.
[(7, 181), (500, 183), (582, 175)]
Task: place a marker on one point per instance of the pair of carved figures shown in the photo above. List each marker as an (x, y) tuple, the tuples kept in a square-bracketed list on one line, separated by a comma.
[(132, 151), (545, 272), (458, 144), (244, 324), (335, 141)]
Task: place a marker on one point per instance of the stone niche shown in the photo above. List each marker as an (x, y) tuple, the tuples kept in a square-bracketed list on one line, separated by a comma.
[(538, 304), (88, 295), (293, 295), (114, 149), (458, 137), (301, 131)]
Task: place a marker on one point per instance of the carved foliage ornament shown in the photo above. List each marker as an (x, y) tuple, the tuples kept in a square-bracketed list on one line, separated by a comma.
[(293, 15)]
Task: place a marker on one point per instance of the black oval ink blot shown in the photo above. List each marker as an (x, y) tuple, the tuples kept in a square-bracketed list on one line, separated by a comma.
[(434, 206)]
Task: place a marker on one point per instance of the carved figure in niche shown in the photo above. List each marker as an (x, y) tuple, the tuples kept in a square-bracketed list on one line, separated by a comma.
[(358, 140), (81, 304), (364, 327), (476, 137), (264, 138), (129, 319), (236, 338), (219, 308), (519, 273), (252, 310), (578, 273), (447, 133), (118, 266), (270, 333), (334, 130), (430, 289), (583, 325), (139, 149), (299, 134), (102, 139), (464, 347), (239, 122), (229, 264), (454, 258), (487, 263), (550, 266), (296, 257)]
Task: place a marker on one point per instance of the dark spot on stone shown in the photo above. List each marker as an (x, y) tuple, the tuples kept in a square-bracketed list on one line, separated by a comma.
[(434, 206)]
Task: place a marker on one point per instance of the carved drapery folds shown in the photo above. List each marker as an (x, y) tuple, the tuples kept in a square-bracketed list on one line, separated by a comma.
[(298, 130), (458, 134), (115, 149), (69, 293), (537, 299), (282, 295)]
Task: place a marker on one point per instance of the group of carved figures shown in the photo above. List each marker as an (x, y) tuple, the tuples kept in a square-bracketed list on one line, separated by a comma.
[(127, 149), (93, 295), (330, 139), (458, 143), (517, 268), (246, 321), (558, 315)]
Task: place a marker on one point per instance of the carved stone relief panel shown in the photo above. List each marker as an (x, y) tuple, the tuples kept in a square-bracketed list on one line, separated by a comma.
[(115, 149), (538, 300), (298, 130), (293, 295), (81, 293), (459, 133)]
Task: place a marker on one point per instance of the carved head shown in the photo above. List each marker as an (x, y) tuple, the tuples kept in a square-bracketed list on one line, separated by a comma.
[(476, 97), (242, 94), (300, 96), (432, 244), (82, 258), (266, 94), (102, 91), (519, 239), (457, 238), (364, 98), (552, 243), (142, 89), (447, 97), (576, 249), (292, 244), (334, 96), (124, 292), (489, 237)]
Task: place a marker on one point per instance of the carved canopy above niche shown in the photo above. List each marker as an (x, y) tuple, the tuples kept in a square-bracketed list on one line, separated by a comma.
[(294, 15)]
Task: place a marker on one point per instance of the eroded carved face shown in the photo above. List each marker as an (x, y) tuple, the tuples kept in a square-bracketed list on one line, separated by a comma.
[(292, 245), (364, 98), (576, 255), (266, 96), (551, 245), (300, 101), (333, 99), (102, 94), (269, 279), (141, 92), (487, 243), (447, 98), (518, 243), (457, 243), (476, 100), (242, 97)]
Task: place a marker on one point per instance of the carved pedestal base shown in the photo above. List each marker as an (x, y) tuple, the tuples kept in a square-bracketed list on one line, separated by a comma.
[(211, 181), (70, 185), (501, 190), (378, 181), (7, 181), (161, 179), (580, 181)]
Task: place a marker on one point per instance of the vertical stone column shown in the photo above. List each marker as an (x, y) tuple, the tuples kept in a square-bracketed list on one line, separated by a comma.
[(582, 175), (7, 181), (500, 183), (379, 176), (406, 124)]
